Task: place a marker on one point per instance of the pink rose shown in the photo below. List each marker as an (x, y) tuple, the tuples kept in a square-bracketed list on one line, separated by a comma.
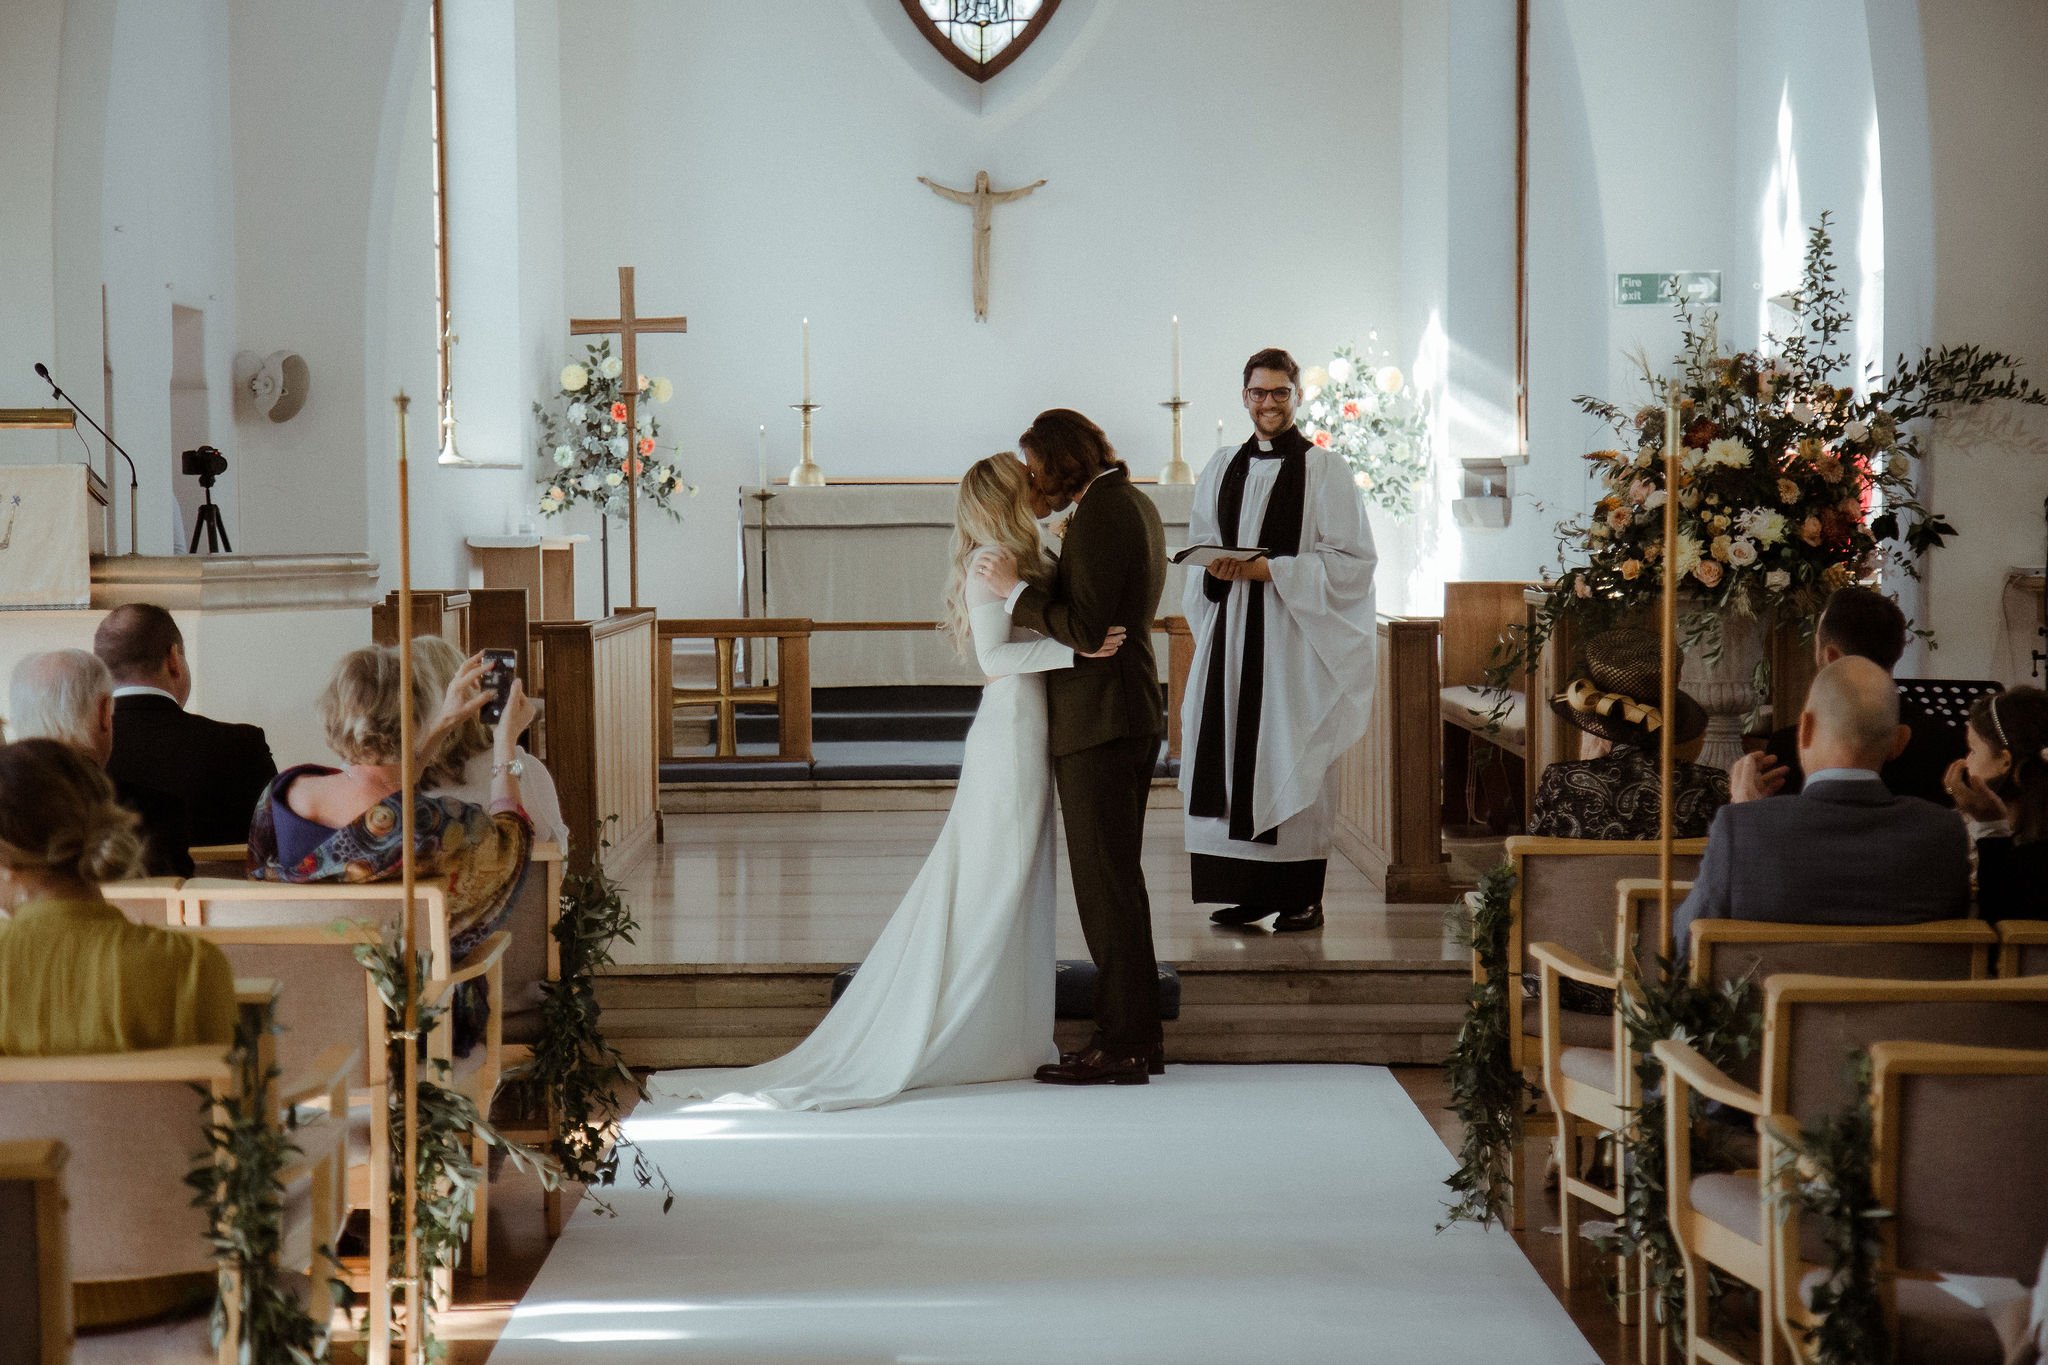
[(1709, 572), (1809, 530), (618, 412), (1351, 409), (1617, 520), (1322, 439), (646, 445)]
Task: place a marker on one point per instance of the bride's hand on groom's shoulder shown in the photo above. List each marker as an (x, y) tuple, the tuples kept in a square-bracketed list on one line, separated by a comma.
[(997, 567)]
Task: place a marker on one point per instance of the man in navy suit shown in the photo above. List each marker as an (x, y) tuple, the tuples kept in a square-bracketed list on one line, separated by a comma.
[(215, 769), (1845, 850)]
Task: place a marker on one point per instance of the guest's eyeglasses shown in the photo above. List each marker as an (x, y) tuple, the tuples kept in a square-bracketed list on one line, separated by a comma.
[(1270, 395)]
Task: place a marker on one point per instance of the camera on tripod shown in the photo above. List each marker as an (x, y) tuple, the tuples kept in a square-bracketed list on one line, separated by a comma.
[(208, 464)]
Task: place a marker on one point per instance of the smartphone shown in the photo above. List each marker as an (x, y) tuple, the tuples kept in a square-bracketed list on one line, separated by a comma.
[(501, 666)]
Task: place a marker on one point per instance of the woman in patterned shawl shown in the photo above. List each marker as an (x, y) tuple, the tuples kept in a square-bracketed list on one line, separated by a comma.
[(1614, 796), (320, 824)]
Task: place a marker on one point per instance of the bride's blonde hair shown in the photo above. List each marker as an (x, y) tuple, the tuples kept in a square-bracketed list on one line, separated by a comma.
[(994, 510)]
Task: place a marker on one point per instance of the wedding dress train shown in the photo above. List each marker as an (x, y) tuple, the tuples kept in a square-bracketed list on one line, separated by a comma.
[(959, 987)]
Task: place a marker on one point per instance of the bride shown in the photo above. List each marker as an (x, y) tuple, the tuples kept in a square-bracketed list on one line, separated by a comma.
[(959, 987)]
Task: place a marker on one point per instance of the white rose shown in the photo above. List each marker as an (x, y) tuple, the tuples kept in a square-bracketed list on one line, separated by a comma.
[(1777, 580), (1741, 553), (618, 446), (1339, 370), (564, 456), (589, 483), (614, 480), (1857, 431), (640, 383), (666, 474), (1389, 379), (1363, 480), (1310, 392), (611, 367), (1315, 377), (578, 414), (574, 377), (1803, 414), (661, 390)]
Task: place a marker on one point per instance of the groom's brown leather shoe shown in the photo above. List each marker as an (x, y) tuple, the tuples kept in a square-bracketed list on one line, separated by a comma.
[(1093, 1066), (1155, 1061)]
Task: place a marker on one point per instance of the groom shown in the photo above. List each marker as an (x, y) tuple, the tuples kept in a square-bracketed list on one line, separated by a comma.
[(1106, 718)]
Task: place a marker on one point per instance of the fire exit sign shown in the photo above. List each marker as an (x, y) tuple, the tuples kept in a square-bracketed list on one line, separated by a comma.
[(1649, 288)]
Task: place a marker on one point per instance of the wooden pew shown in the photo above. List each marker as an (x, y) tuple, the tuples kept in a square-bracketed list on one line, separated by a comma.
[(1389, 816), (603, 677), (35, 1258), (1482, 787), (442, 612), (498, 620)]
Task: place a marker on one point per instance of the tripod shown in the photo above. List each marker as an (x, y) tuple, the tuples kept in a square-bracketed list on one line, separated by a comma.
[(209, 521)]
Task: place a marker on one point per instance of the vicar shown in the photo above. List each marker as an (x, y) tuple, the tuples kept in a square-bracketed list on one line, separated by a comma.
[(1283, 668)]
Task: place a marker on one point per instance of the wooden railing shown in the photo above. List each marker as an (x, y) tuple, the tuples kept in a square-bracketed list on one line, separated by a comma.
[(601, 728), (790, 693), (1389, 801)]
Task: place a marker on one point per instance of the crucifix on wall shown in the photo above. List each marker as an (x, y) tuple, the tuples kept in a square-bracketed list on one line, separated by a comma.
[(983, 201), (629, 325)]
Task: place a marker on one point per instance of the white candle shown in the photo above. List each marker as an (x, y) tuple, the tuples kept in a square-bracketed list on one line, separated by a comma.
[(1219, 432), (761, 460), (807, 360), (1176, 356)]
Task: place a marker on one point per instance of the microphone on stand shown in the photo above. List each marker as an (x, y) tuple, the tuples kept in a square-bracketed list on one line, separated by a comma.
[(134, 484)]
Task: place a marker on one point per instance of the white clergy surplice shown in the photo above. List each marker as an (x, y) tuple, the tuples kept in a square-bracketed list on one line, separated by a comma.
[(1317, 671)]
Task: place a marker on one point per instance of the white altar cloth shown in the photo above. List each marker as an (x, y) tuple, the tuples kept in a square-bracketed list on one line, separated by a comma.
[(880, 552)]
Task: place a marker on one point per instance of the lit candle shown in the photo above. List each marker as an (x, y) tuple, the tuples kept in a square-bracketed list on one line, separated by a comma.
[(1176, 356), (1219, 433), (807, 360), (761, 460)]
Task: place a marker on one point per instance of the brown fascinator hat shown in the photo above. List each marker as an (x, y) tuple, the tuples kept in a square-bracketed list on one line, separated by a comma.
[(1617, 693)]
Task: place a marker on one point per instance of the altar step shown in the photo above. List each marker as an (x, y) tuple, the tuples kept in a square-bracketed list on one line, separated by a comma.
[(1366, 1012)]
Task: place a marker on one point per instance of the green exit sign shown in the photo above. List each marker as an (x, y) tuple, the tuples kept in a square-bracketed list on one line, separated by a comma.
[(1649, 288)]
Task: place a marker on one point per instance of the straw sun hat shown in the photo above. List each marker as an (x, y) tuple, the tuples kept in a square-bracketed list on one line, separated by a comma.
[(1616, 695)]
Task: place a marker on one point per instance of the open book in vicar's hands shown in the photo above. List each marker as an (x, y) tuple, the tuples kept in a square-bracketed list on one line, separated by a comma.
[(1202, 556)]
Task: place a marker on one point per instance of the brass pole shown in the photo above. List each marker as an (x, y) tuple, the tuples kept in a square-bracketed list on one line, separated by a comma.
[(442, 324), (408, 777), (1522, 228), (1668, 665)]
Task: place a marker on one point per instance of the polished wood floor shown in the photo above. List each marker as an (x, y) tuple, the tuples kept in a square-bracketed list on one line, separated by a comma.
[(817, 886)]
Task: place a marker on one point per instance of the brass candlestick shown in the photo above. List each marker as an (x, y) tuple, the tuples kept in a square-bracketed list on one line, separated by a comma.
[(1176, 470), (807, 474)]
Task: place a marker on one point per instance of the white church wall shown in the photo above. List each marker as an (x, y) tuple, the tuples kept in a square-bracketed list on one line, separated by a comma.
[(29, 66), (769, 174)]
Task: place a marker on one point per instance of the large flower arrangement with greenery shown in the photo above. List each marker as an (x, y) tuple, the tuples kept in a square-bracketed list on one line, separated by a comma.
[(586, 449), (1369, 415), (1790, 486)]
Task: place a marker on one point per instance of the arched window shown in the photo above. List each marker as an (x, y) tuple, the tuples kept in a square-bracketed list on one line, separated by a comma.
[(981, 37)]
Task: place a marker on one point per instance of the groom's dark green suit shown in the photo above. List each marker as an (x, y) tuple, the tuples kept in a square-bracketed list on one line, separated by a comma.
[(1106, 717)]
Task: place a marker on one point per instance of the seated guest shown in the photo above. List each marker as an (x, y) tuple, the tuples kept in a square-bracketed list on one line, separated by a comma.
[(318, 824), (215, 769), (77, 977), (67, 695), (1846, 850), (1615, 796), (463, 767), (2002, 790), (1859, 623)]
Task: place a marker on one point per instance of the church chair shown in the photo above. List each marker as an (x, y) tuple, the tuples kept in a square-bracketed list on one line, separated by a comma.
[(533, 960), (219, 860), (2023, 947), (131, 1127), (477, 1077), (146, 900), (1594, 1090), (1949, 950), (1957, 1137), (1812, 1026), (1563, 896), (35, 1267)]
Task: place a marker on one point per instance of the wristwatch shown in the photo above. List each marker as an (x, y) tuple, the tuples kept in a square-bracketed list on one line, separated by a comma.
[(514, 767)]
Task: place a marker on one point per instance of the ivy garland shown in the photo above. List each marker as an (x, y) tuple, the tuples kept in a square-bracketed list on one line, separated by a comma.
[(1722, 1024), (576, 1075), (1488, 1094), (238, 1182), (1833, 1183), (447, 1121)]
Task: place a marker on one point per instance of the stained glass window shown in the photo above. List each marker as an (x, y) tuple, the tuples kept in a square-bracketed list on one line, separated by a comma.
[(981, 37)]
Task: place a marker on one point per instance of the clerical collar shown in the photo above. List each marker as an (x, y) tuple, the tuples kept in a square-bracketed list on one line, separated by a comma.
[(1265, 445)]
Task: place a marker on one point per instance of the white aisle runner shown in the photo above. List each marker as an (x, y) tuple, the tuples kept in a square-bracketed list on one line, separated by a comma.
[(1231, 1214)]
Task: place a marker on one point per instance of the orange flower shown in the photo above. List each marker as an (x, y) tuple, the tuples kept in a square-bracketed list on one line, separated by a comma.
[(646, 445), (618, 412), (1322, 438), (1809, 531), (1709, 572), (1788, 492), (1630, 568)]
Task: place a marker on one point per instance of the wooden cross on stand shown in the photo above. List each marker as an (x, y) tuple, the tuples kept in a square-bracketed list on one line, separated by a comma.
[(629, 325)]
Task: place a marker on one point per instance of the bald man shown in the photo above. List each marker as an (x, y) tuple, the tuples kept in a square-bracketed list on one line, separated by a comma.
[(1845, 850)]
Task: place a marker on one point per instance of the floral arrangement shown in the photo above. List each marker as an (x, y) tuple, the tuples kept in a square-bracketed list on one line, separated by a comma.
[(1829, 1175), (1368, 415), (1789, 487), (585, 445), (1488, 1094)]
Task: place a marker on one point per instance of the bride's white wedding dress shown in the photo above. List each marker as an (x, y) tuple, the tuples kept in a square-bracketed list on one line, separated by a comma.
[(959, 987)]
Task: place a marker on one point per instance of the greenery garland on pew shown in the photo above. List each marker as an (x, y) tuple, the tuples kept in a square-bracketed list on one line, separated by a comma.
[(1488, 1094), (576, 1075), (447, 1120), (239, 1184), (1832, 1181), (1722, 1024)]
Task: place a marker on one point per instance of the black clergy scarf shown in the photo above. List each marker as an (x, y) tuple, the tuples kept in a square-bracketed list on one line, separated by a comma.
[(1212, 795)]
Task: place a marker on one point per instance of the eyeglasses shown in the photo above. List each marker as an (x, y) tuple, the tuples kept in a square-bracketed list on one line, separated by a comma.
[(1270, 395)]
